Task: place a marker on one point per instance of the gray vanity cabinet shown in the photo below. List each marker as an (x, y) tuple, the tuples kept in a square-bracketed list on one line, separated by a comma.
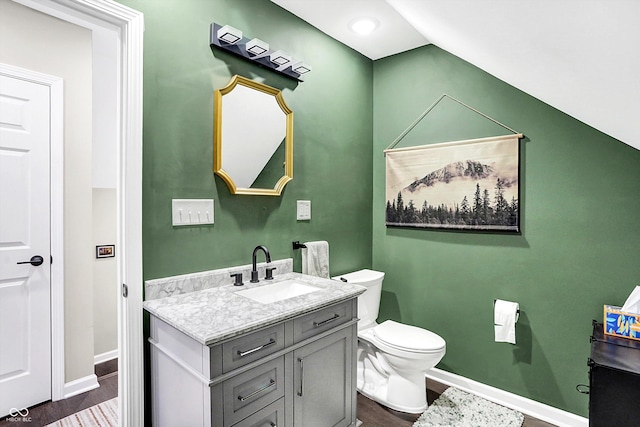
[(323, 382), (296, 373)]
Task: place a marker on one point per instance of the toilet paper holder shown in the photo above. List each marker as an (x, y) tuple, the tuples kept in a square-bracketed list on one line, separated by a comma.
[(517, 311)]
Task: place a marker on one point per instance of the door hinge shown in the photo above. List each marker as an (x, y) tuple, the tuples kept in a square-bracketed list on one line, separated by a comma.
[(50, 259), (125, 290)]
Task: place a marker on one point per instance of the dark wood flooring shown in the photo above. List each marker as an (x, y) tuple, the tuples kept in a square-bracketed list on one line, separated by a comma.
[(49, 412), (373, 414), (370, 413)]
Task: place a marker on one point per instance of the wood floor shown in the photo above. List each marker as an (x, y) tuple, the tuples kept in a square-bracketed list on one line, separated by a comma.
[(373, 414), (49, 412), (369, 412)]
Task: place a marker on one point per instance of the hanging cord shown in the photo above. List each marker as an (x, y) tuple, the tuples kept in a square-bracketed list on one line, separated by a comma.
[(428, 110)]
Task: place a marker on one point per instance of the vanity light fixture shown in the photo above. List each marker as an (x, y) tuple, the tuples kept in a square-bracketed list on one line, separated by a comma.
[(231, 40), (257, 47), (279, 58), (229, 34), (301, 68)]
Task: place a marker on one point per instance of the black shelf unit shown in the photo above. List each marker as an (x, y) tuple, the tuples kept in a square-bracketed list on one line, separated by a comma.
[(614, 380)]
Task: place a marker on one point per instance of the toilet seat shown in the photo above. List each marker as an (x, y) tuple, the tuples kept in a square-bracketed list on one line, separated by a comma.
[(408, 338)]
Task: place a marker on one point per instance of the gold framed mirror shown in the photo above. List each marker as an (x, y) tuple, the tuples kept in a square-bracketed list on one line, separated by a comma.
[(252, 138)]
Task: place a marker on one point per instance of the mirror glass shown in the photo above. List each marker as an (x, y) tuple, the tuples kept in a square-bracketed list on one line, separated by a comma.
[(253, 138)]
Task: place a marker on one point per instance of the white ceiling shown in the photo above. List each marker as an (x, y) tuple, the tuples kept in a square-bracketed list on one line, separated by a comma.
[(333, 17), (579, 56)]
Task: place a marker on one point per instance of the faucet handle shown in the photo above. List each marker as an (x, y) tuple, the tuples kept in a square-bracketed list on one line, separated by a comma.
[(238, 281), (269, 275)]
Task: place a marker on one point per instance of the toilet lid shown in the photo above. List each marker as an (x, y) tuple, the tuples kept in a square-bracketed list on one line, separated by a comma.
[(409, 338)]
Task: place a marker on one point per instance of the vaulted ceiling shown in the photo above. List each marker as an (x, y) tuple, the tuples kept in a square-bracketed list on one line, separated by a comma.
[(579, 56)]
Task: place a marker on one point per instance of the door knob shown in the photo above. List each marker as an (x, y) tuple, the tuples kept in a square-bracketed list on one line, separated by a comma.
[(35, 260)]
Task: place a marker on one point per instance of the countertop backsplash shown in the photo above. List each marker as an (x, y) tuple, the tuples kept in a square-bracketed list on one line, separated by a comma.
[(185, 283)]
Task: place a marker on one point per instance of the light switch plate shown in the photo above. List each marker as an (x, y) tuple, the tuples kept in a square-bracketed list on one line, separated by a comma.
[(303, 212), (191, 211)]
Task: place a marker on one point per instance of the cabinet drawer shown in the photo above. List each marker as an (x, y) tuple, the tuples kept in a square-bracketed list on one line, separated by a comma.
[(251, 347), (322, 320), (250, 391), (271, 416)]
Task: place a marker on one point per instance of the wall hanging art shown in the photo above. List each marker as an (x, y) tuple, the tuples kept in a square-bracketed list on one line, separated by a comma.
[(460, 185)]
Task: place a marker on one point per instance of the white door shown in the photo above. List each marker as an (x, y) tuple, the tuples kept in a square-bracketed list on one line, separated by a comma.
[(25, 336)]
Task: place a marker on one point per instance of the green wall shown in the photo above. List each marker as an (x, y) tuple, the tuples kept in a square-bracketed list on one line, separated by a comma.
[(579, 243), (578, 248), (333, 128)]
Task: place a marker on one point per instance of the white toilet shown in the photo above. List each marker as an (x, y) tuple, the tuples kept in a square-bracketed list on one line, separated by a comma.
[(392, 357)]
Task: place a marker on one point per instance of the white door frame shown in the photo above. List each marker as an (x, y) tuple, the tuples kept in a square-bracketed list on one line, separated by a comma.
[(128, 26)]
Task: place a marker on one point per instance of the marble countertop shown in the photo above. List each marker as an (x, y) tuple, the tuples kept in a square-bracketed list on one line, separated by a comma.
[(213, 315)]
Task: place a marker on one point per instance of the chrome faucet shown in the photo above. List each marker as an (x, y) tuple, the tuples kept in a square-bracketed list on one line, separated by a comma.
[(254, 272)]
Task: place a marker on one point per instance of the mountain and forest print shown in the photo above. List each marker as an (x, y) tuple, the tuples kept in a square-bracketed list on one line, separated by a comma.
[(471, 185)]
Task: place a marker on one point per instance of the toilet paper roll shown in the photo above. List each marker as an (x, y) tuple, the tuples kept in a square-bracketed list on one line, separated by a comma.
[(505, 316)]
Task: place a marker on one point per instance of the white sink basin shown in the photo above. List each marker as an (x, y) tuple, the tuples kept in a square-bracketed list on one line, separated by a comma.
[(279, 291)]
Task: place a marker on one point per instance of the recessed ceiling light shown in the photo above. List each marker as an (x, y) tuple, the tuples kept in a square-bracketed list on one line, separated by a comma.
[(364, 26)]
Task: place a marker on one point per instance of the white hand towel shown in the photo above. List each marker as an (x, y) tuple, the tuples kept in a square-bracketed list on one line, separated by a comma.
[(315, 259), (505, 316)]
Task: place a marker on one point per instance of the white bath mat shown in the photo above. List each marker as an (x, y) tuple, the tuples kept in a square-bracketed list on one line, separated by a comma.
[(104, 414), (456, 408)]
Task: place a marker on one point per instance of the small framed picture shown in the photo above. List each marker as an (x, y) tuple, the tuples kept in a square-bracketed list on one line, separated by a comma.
[(105, 251)]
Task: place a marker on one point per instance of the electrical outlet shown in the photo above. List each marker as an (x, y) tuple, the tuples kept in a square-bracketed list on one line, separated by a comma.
[(191, 211), (303, 212)]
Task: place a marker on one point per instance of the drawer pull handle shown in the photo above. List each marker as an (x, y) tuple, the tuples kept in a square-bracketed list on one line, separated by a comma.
[(255, 393), (300, 393), (253, 350), (324, 322)]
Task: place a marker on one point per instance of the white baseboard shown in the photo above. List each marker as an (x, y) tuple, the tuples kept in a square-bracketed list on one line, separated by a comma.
[(530, 407), (80, 385), (109, 355)]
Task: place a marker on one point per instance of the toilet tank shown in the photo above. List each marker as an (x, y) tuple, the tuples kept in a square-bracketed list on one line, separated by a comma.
[(369, 301)]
